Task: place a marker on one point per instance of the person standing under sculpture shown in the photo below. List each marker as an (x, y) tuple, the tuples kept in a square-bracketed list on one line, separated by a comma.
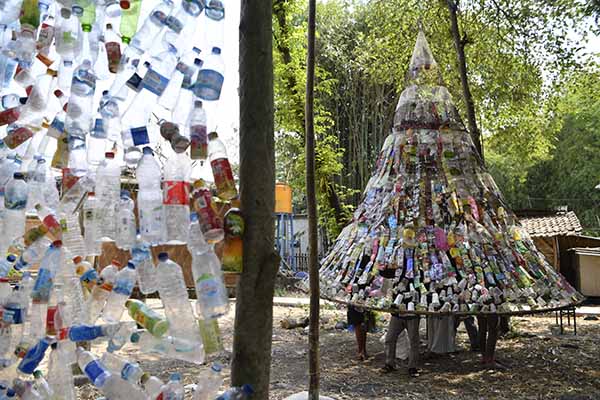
[(397, 325), (489, 326)]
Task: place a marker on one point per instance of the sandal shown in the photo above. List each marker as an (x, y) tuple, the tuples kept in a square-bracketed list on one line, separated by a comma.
[(387, 368)]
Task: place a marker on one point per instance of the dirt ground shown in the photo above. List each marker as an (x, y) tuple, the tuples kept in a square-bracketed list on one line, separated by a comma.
[(541, 365)]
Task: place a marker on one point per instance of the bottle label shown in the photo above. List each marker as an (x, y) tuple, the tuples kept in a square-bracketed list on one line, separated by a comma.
[(158, 17), (124, 287), (50, 325), (223, 175), (57, 128), (12, 315), (52, 224), (128, 370), (155, 82), (93, 370), (208, 286), (135, 82), (176, 193), (140, 136), (208, 216), (209, 84), (174, 24), (17, 137), (113, 53), (199, 142)]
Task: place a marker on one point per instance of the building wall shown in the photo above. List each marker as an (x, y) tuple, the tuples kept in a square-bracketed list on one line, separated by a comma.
[(588, 275)]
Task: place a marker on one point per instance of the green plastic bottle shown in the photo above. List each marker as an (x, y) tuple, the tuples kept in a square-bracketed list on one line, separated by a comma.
[(129, 18), (88, 18), (30, 14), (147, 317)]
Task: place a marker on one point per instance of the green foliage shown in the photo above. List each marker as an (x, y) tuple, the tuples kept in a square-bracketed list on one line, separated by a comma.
[(519, 54)]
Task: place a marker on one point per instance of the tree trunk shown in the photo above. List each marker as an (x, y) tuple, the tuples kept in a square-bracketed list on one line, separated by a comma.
[(459, 44), (251, 359), (311, 203)]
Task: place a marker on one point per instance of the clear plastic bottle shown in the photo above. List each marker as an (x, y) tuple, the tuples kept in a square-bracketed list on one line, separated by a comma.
[(92, 367), (214, 23), (15, 202), (198, 133), (174, 388), (186, 95), (102, 290), (221, 168), (7, 264), (49, 266), (8, 67), (10, 100), (211, 293), (33, 253), (179, 348), (91, 225), (176, 199), (150, 204), (173, 293), (237, 393), (126, 229), (210, 77), (42, 386), (108, 187), (96, 143), (181, 25), (129, 371), (60, 375), (113, 48), (25, 390), (115, 304), (209, 382), (145, 269), (152, 385)]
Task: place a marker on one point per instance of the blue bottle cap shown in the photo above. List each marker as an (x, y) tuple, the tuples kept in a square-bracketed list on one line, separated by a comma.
[(10, 393), (175, 376), (216, 367), (135, 337), (18, 175), (11, 258), (216, 50), (147, 150), (163, 256), (193, 216), (130, 265)]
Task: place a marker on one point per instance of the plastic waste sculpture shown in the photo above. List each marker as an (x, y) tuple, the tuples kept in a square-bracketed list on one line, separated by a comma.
[(433, 234)]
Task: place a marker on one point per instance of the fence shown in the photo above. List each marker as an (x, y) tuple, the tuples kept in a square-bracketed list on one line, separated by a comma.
[(302, 261)]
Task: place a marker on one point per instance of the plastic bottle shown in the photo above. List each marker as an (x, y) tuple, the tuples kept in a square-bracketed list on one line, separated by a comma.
[(60, 375), (33, 253), (211, 293), (96, 143), (8, 66), (150, 207), (237, 393), (126, 229), (92, 367), (34, 356), (45, 36), (25, 390), (129, 371), (101, 291), (176, 199), (186, 95), (210, 222), (209, 382), (174, 388), (147, 317), (91, 224), (5, 290), (36, 182), (108, 187), (10, 100), (173, 293), (113, 48), (210, 77), (129, 19), (7, 264), (182, 24), (221, 168), (214, 24), (50, 220), (175, 347), (198, 134), (42, 386), (15, 201), (125, 281), (146, 272), (87, 274), (152, 386), (81, 333)]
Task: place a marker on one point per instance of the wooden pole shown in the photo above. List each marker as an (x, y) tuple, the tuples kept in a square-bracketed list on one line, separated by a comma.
[(311, 203), (253, 330), (459, 44)]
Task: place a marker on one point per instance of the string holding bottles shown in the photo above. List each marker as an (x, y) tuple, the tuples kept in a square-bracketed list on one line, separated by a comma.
[(80, 81)]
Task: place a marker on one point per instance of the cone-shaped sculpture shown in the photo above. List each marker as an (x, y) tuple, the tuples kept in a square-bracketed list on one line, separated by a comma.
[(433, 234)]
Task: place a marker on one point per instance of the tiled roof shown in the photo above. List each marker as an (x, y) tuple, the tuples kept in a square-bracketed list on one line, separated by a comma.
[(561, 224)]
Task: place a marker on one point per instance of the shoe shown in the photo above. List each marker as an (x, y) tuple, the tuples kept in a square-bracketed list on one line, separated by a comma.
[(387, 368), (413, 372)]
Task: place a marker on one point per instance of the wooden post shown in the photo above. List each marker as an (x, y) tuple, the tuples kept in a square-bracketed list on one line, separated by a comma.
[(311, 203), (253, 330)]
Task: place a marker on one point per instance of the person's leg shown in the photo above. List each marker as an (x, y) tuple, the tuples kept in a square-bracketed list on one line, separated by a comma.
[(412, 327), (359, 331), (490, 349), (504, 325), (483, 329), (363, 341), (391, 338), (472, 332)]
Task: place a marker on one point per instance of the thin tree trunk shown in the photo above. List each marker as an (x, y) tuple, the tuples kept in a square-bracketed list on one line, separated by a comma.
[(459, 44), (311, 203), (251, 359)]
